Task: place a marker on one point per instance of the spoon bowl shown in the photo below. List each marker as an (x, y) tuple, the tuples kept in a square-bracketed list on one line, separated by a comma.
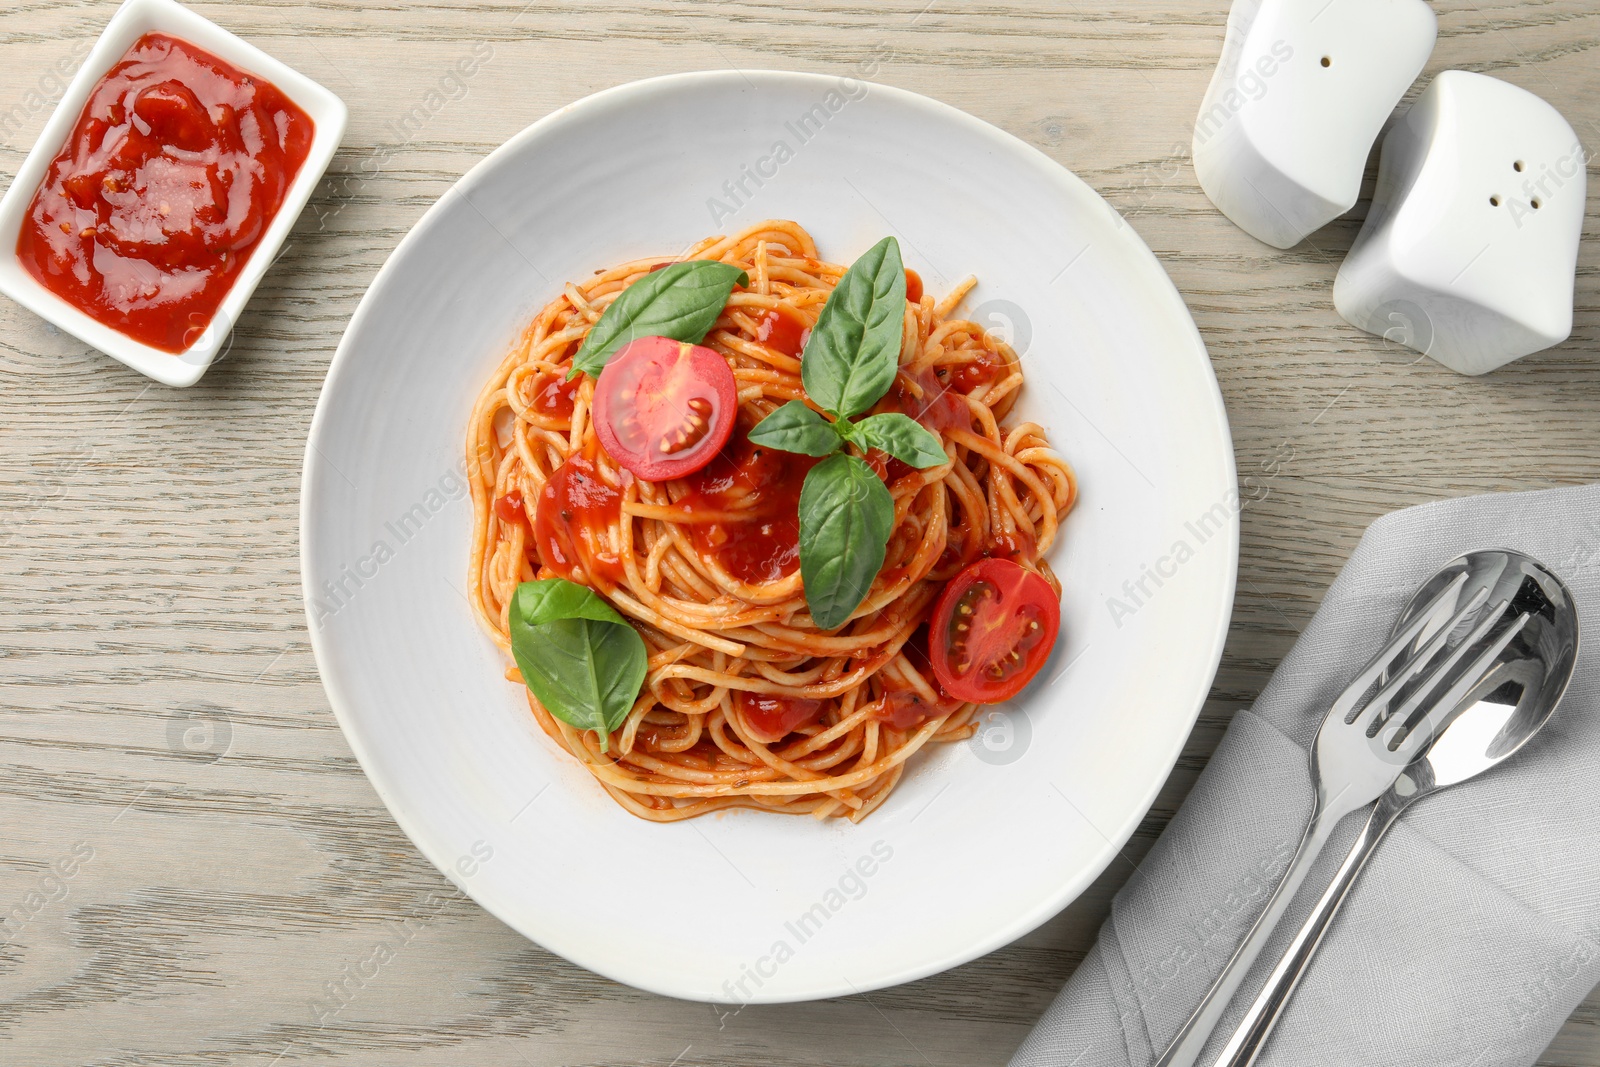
[(1504, 710)]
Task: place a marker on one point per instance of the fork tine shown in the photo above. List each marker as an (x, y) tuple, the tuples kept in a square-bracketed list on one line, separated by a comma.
[(1428, 726), (1425, 686), (1344, 708), (1376, 712)]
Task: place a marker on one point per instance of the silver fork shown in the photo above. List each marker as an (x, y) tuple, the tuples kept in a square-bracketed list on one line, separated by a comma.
[(1351, 766)]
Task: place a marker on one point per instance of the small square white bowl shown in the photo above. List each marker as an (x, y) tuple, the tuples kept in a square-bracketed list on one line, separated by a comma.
[(133, 20)]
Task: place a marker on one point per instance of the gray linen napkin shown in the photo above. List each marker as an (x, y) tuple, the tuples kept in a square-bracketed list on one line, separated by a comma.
[(1475, 929)]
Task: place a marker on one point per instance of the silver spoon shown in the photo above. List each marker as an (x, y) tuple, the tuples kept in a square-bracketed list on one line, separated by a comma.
[(1496, 718)]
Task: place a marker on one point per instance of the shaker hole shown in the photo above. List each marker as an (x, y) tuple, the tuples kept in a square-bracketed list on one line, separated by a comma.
[(1327, 61), (1494, 201), (1517, 166)]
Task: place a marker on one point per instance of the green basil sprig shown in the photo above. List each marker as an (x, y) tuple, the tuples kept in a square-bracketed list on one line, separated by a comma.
[(680, 301), (853, 351), (846, 514), (901, 436), (849, 362), (796, 428), (581, 659)]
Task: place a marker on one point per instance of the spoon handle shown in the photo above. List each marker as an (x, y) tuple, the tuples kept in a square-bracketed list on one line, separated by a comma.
[(1250, 1036), (1191, 1040)]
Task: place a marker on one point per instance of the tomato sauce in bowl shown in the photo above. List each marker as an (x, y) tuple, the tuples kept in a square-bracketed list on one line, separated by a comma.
[(176, 166)]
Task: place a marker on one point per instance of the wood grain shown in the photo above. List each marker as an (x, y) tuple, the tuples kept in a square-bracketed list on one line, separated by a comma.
[(164, 732)]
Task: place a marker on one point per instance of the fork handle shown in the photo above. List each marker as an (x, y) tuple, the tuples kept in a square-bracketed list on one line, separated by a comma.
[(1250, 1036), (1191, 1040)]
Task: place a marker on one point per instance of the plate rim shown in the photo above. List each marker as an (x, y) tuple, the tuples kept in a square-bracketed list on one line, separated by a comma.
[(1003, 934)]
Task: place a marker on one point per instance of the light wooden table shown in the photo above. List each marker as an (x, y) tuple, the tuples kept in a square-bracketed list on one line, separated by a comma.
[(163, 720)]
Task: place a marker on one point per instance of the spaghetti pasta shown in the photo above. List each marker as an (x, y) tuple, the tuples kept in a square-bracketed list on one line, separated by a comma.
[(746, 703)]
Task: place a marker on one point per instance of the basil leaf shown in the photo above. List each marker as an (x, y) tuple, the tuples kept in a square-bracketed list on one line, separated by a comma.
[(845, 517), (851, 356), (582, 660), (796, 428), (680, 301), (902, 437)]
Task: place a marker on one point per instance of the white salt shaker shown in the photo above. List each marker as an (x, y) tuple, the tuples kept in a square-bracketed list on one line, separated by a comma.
[(1297, 100), (1469, 252)]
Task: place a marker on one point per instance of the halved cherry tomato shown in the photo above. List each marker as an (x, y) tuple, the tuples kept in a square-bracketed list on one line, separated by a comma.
[(771, 718), (664, 408), (991, 630)]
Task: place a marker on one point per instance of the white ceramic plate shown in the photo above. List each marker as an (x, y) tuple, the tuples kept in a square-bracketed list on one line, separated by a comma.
[(982, 841)]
